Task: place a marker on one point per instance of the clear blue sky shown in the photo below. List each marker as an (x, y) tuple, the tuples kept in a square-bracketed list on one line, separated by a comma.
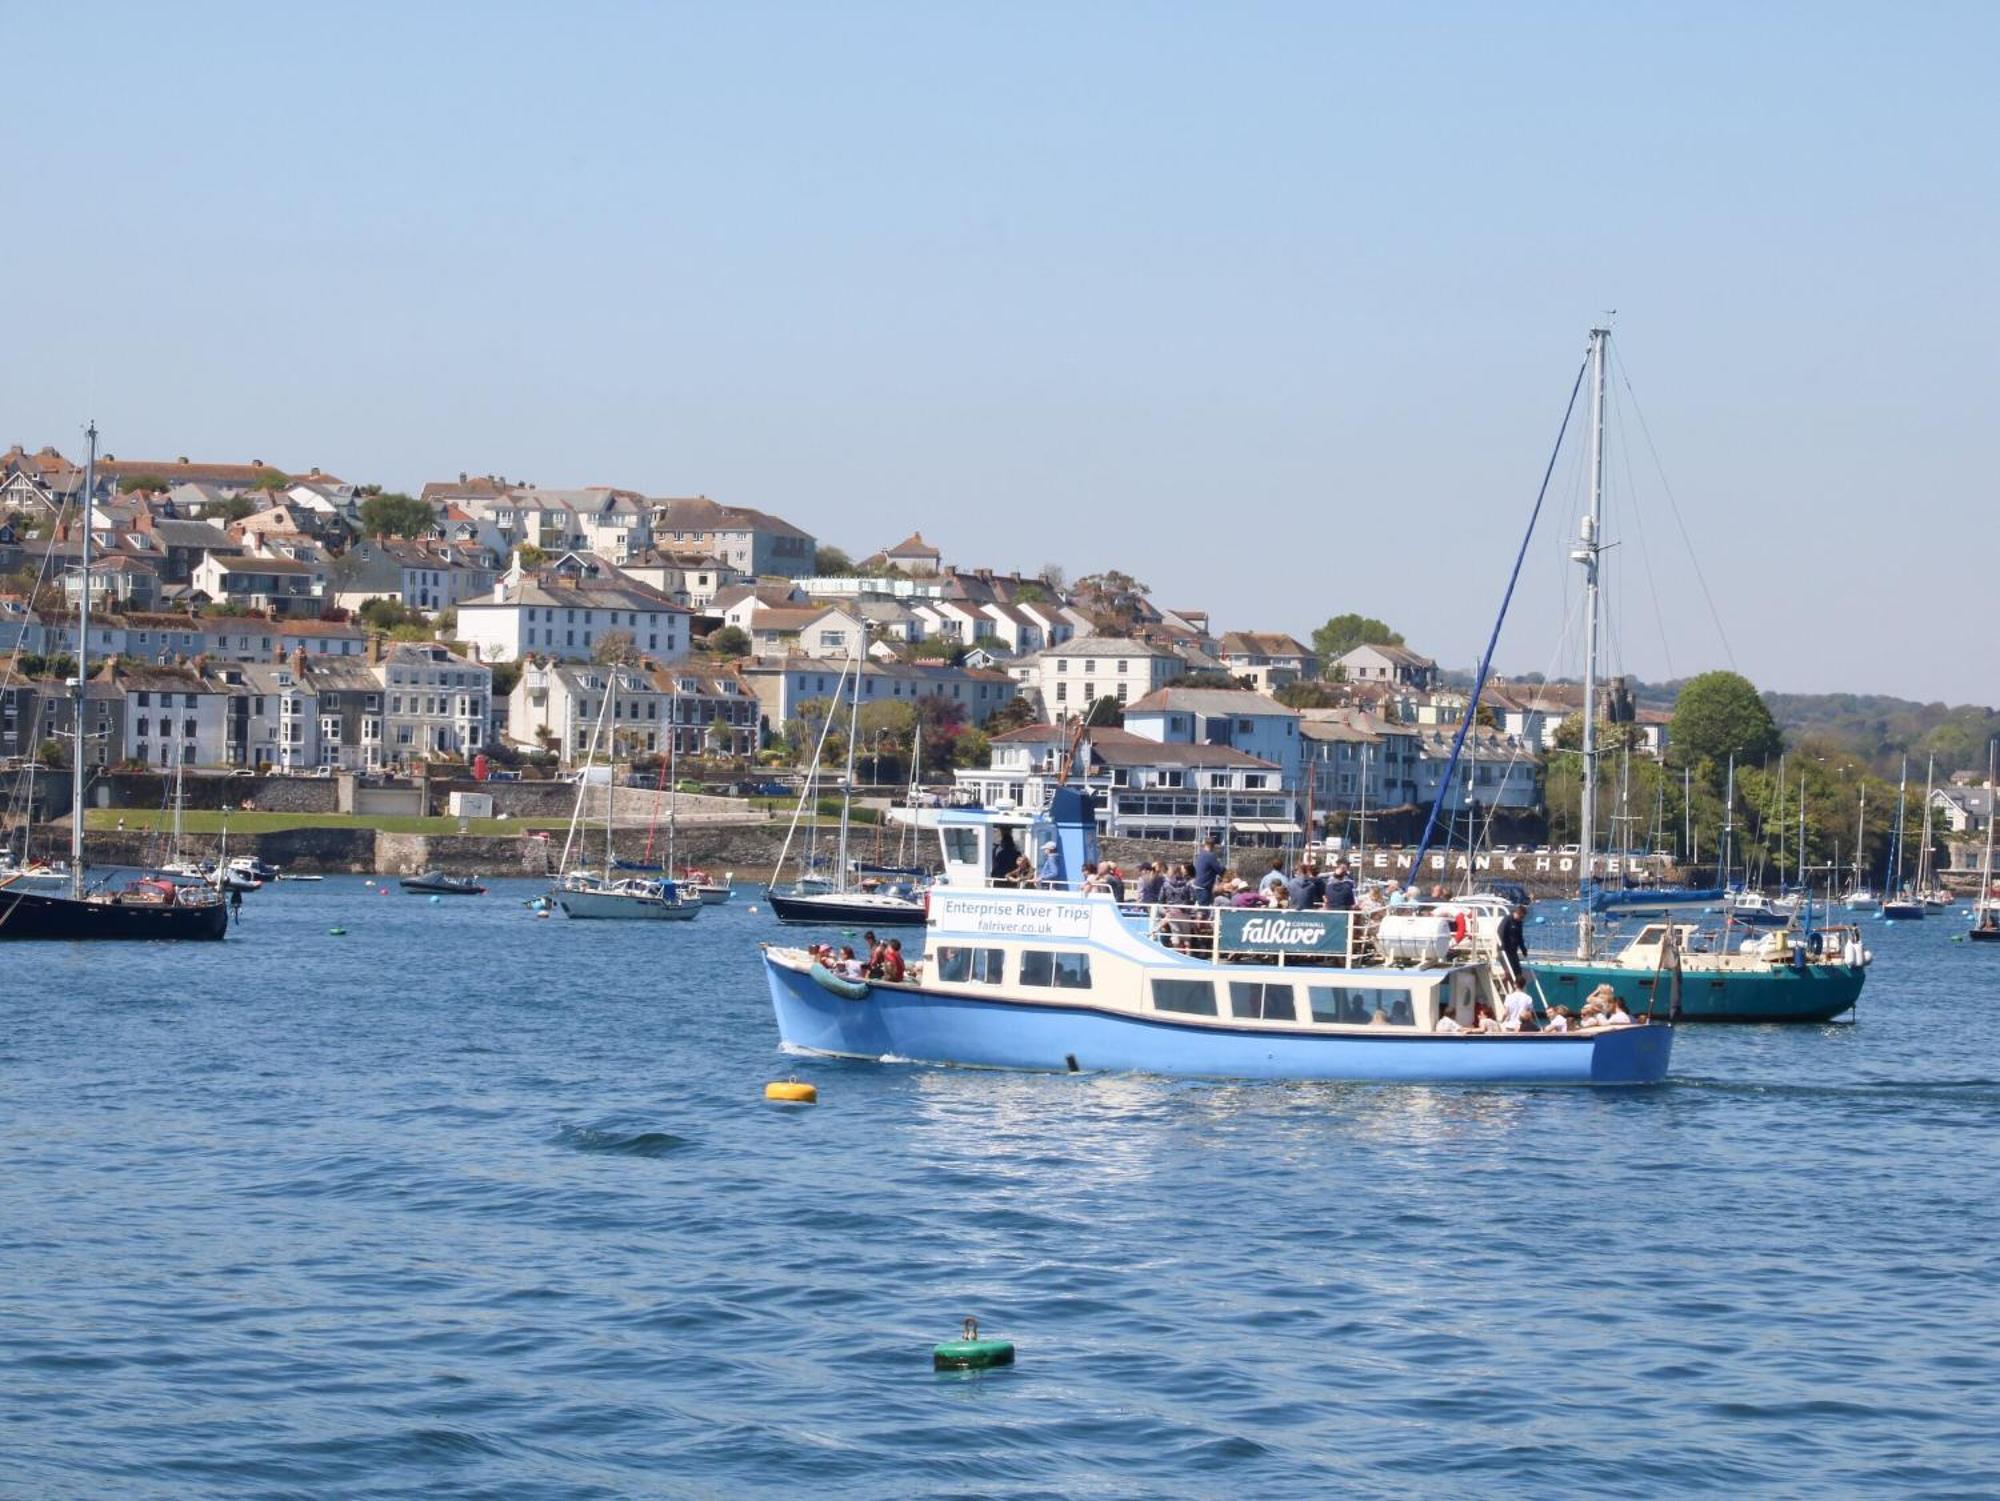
[(1274, 306)]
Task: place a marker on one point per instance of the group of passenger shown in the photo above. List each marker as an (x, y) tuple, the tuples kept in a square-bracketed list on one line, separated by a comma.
[(1601, 1008), (884, 961)]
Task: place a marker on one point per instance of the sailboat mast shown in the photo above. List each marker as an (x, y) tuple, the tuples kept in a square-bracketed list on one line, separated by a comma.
[(1589, 555), (673, 772), (82, 676), (1729, 820), (847, 785), (1924, 876), (1985, 899), (1860, 831)]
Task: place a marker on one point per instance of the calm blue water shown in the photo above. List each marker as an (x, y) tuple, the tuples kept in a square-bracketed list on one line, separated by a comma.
[(471, 1204)]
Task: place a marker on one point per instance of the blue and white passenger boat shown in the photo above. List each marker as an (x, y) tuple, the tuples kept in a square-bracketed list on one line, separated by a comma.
[(1060, 979)]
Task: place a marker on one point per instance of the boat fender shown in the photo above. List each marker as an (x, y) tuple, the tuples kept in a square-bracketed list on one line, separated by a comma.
[(971, 1353), (826, 979), (791, 1092)]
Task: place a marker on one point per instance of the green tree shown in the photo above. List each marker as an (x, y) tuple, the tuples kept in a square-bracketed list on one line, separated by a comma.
[(236, 507), (831, 562), (392, 515), (1016, 714), (387, 614), (615, 649), (505, 676), (973, 748), (729, 641), (1343, 633), (1719, 715), (530, 555), (133, 484), (268, 478), (1307, 694), (1114, 600), (1105, 714)]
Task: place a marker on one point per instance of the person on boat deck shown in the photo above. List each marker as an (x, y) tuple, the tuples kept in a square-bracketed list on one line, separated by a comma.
[(1024, 872), (1558, 1020), (849, 967), (1006, 855), (1051, 872), (1483, 1019), (872, 965), (1207, 871), (1403, 896), (1379, 1019), (1152, 884), (1299, 892), (1242, 894), (892, 968), (1339, 896), (1106, 879), (1615, 1014), (1448, 1024), (1517, 1012), (1514, 946), (1271, 886)]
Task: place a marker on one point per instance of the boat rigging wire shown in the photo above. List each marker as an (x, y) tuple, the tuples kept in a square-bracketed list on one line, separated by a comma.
[(1493, 640)]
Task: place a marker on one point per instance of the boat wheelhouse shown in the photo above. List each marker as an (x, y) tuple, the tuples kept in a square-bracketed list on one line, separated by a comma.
[(1052, 977)]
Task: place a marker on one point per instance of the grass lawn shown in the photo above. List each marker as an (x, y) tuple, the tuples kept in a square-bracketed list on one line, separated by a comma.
[(202, 821)]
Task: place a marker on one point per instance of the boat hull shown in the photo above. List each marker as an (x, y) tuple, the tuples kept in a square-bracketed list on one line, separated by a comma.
[(909, 1023), (31, 914), (1821, 993), (619, 905), (1903, 911), (844, 909)]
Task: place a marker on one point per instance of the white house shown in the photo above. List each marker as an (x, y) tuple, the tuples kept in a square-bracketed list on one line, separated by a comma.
[(1144, 789), (174, 715), (1071, 677), (552, 616), (275, 586), (1389, 664), (436, 703), (560, 704), (1236, 717), (783, 683), (1269, 659)]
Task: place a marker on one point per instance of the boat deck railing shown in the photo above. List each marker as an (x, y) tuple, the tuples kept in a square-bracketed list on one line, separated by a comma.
[(1349, 938)]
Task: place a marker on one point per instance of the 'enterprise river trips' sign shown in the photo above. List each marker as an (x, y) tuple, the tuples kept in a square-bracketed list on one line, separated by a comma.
[(1249, 931), (1027, 917)]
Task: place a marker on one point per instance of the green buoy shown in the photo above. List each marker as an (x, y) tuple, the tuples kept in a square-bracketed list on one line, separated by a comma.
[(971, 1353)]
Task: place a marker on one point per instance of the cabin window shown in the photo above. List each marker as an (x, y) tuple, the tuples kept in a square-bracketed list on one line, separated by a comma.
[(1189, 997), (1350, 1005), (1253, 1000), (1062, 971), (961, 846), (959, 965)]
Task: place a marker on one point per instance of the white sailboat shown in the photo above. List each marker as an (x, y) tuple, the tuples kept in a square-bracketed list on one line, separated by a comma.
[(583, 893), (1861, 896)]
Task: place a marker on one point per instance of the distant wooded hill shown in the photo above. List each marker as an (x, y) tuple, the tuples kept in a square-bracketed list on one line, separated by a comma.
[(1874, 726)]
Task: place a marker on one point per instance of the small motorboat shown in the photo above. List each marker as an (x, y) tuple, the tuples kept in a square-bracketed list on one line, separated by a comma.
[(705, 886), (437, 883)]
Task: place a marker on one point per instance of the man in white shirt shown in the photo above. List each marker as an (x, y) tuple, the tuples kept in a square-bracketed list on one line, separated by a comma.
[(1447, 1023), (1516, 1011), (1617, 1016)]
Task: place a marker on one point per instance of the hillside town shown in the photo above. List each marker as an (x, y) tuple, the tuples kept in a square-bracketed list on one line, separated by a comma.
[(281, 621)]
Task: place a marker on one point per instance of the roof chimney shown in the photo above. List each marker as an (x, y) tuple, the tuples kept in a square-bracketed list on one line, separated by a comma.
[(374, 648)]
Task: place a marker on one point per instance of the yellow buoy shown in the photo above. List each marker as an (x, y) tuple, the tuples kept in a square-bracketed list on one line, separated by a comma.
[(791, 1092)]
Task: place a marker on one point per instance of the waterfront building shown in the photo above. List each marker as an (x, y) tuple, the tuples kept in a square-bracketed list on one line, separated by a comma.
[(782, 684), (821, 631), (1068, 679), (557, 705), (750, 541), (272, 719), (435, 702), (1269, 659), (1238, 717), (1143, 788), (419, 576), (1389, 664), (268, 585), (688, 577), (551, 615)]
